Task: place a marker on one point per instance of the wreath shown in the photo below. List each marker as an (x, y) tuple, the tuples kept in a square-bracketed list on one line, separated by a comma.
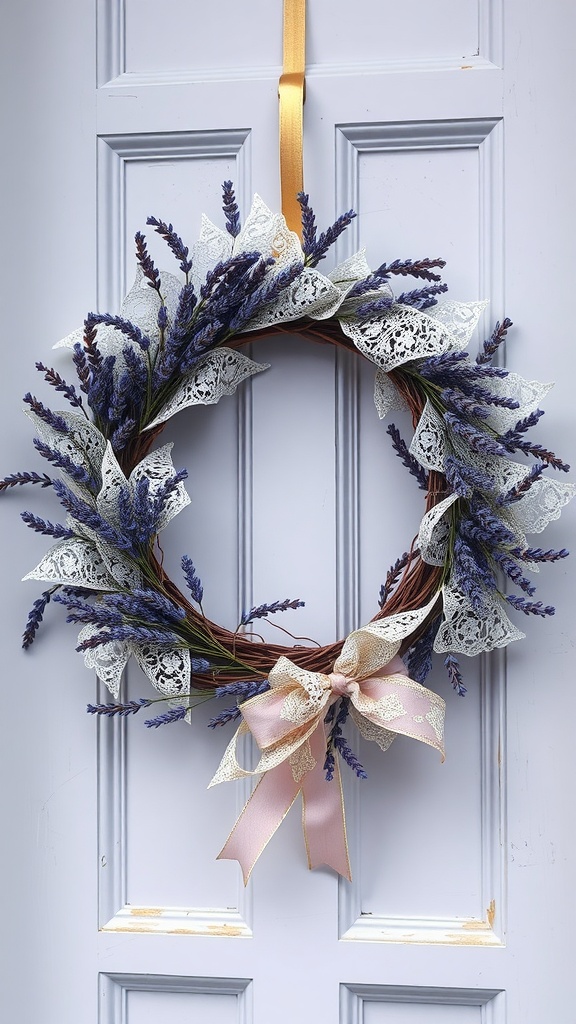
[(177, 343)]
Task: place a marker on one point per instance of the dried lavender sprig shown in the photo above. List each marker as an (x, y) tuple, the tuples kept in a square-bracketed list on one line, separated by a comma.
[(485, 527), (192, 579), (83, 513), (514, 572), (454, 365), (328, 237), (336, 730), (490, 347), (528, 448), (45, 527), (82, 367), (308, 224), (262, 610), (538, 555), (174, 242), (464, 478), (375, 308), (93, 354), (244, 690), (422, 298), (162, 494), (422, 269), (517, 492), (408, 460), (225, 716), (146, 604), (97, 614), (18, 479), (269, 291), (35, 617), (392, 577), (338, 742), (472, 572), (131, 707), (140, 634), (230, 208), (102, 389), (347, 755), (227, 305), (453, 668), (477, 440), (53, 419), (123, 434), (226, 273), (530, 607), (523, 425), (419, 657), (461, 404), (146, 263), (68, 390), (72, 469), (126, 327), (166, 718)]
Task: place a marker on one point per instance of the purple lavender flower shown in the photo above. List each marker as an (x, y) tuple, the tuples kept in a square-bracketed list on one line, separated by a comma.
[(51, 418), (230, 208), (538, 555), (472, 572), (82, 367), (453, 668), (131, 707), (243, 690), (174, 715), (74, 471), (130, 330), (35, 617), (419, 658), (392, 577), (45, 526), (530, 607), (478, 440), (514, 572), (263, 610), (422, 298), (464, 478), (520, 489), (422, 269), (138, 633), (83, 513), (192, 579), (146, 263), (68, 390), (308, 224), (327, 238), (408, 460), (338, 742), (18, 479), (491, 346), (174, 242)]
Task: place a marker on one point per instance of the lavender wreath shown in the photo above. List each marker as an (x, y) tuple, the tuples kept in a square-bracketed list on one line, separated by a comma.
[(176, 343)]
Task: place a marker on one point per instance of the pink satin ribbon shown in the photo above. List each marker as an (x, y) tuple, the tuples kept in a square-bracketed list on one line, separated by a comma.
[(389, 700)]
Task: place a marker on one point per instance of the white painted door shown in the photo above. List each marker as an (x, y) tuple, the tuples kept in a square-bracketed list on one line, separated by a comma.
[(447, 128)]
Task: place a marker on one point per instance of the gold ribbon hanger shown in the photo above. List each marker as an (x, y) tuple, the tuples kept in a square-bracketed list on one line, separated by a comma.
[(291, 94)]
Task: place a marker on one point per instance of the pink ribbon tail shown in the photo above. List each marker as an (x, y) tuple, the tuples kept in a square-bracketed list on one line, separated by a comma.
[(322, 818)]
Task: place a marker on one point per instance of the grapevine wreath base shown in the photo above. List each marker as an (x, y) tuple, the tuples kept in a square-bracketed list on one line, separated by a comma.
[(177, 343)]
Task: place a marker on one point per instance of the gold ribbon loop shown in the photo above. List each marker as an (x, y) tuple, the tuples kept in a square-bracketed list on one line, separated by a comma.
[(291, 93)]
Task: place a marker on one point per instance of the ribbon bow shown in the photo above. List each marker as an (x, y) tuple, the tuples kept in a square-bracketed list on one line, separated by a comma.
[(287, 722)]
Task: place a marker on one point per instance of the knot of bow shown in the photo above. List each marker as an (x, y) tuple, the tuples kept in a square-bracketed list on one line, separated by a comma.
[(287, 723)]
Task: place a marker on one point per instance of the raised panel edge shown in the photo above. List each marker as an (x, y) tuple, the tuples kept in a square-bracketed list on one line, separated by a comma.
[(115, 914), (484, 135), (114, 989)]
